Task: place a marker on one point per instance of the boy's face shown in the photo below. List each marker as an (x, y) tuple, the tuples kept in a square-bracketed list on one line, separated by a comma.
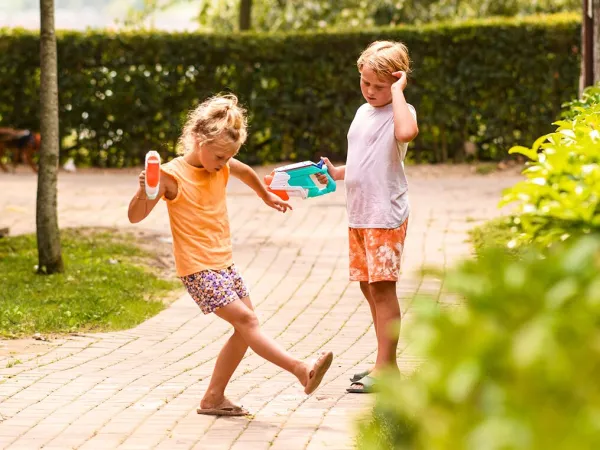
[(376, 91)]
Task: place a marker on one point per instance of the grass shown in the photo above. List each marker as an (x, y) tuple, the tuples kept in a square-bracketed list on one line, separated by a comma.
[(13, 362), (486, 168), (494, 233), (108, 284)]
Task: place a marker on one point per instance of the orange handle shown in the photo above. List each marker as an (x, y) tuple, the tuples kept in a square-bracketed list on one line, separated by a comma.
[(283, 195), (153, 172)]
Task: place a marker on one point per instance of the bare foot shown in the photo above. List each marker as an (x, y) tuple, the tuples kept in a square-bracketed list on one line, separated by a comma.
[(211, 400)]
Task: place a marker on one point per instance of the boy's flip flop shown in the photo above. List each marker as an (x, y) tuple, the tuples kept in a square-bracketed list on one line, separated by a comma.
[(227, 408), (319, 368), (360, 376), (367, 385)]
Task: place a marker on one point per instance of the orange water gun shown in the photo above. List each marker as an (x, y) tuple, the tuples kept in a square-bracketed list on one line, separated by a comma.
[(152, 174)]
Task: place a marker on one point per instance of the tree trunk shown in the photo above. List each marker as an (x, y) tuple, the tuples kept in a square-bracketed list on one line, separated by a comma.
[(245, 15), (590, 44), (48, 237), (596, 34)]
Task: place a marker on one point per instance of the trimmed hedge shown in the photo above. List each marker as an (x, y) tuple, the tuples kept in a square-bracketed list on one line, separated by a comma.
[(496, 82)]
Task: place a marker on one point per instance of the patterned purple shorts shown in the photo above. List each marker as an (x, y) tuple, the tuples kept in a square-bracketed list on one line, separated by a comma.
[(213, 289)]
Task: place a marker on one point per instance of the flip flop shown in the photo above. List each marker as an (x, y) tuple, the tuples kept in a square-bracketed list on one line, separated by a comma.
[(360, 375), (319, 368), (227, 408), (368, 385)]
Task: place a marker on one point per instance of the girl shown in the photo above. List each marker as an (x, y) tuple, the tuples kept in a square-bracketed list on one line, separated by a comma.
[(194, 187)]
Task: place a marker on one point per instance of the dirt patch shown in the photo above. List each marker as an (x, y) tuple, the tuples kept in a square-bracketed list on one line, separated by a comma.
[(161, 261), (14, 347)]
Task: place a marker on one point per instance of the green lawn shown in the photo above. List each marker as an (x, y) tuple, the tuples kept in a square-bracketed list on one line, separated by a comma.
[(109, 284), (494, 233)]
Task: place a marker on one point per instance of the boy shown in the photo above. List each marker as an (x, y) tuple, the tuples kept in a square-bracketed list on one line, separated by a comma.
[(377, 193)]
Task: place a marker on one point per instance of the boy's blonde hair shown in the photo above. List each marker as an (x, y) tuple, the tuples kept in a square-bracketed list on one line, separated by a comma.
[(385, 58), (218, 118)]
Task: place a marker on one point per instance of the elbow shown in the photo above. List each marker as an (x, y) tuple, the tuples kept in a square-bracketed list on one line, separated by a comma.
[(406, 135), (131, 218)]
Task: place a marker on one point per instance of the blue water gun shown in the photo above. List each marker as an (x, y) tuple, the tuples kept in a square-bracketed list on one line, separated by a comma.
[(297, 180)]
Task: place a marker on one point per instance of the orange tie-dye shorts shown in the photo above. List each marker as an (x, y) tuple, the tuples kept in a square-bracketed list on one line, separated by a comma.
[(376, 253)]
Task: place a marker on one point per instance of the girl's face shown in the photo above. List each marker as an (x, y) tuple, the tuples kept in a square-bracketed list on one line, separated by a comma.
[(214, 155), (377, 92)]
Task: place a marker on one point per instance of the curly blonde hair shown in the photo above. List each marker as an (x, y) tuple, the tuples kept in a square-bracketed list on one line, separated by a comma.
[(385, 58), (219, 118)]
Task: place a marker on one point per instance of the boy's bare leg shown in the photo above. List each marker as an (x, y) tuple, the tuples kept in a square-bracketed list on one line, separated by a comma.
[(388, 316), (366, 290), (228, 361)]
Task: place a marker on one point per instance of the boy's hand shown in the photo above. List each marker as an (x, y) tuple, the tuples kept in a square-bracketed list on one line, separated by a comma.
[(402, 80), (276, 203), (333, 171)]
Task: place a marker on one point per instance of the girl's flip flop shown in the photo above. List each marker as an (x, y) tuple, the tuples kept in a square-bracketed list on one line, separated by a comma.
[(319, 368), (227, 408)]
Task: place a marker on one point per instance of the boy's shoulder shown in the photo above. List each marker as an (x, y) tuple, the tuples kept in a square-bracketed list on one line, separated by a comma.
[(363, 107)]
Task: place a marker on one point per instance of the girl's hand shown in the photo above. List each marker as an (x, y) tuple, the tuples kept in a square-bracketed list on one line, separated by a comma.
[(276, 203), (402, 80), (142, 180)]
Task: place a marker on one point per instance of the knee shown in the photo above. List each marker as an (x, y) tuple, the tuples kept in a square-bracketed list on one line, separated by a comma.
[(246, 320), (383, 290)]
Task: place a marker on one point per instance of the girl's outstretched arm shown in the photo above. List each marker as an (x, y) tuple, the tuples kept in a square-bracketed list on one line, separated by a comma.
[(247, 175), (140, 206)]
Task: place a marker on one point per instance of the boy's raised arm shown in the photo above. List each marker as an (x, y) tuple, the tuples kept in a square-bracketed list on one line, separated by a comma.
[(405, 125)]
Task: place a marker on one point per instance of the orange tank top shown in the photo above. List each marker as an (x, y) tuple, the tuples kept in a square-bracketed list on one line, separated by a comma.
[(199, 218)]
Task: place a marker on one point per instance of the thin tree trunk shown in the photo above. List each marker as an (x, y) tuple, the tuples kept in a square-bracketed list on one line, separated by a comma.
[(596, 19), (245, 15), (48, 237)]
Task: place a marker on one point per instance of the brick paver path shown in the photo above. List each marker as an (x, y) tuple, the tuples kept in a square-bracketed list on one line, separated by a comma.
[(138, 389)]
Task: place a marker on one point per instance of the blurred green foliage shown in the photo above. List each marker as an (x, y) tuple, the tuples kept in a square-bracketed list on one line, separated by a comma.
[(560, 196), (514, 367)]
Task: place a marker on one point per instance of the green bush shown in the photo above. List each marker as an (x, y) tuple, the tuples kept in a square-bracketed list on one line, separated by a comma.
[(494, 82), (560, 197), (590, 97), (515, 367)]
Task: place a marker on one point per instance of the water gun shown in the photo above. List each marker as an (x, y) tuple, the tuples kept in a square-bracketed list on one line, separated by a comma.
[(296, 180), (152, 174)]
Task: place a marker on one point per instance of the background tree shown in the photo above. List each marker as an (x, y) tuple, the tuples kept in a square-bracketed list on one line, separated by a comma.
[(48, 237), (276, 15)]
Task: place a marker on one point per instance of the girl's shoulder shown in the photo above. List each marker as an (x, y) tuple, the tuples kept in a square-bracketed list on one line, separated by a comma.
[(174, 163), (176, 168)]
